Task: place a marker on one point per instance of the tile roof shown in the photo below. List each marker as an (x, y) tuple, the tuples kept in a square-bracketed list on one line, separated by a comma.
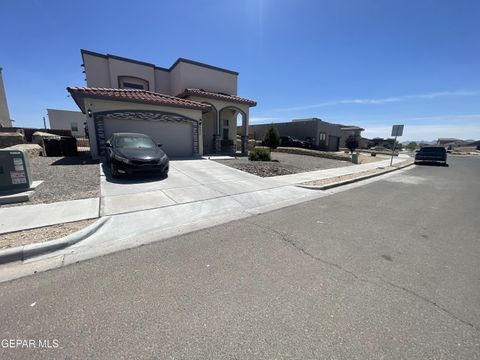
[(133, 95), (216, 95)]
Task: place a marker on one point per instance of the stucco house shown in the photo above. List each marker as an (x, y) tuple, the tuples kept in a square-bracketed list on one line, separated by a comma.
[(349, 130), (323, 135), (67, 120), (190, 107)]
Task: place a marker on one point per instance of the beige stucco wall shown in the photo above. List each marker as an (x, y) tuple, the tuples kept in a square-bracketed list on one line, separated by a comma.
[(123, 68), (104, 72), (5, 120), (162, 81), (96, 105), (97, 71), (63, 119), (186, 75)]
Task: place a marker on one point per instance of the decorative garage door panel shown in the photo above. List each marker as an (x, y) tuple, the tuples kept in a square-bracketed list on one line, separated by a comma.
[(176, 137)]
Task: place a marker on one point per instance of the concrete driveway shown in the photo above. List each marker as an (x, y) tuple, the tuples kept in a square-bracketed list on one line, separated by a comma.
[(188, 181)]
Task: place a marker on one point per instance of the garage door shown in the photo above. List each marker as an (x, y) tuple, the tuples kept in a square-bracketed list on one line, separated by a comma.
[(176, 137), (333, 142)]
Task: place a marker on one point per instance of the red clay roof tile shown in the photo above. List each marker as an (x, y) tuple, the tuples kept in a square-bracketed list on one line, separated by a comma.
[(133, 95), (216, 95)]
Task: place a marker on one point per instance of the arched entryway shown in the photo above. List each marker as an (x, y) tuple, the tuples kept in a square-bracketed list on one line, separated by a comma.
[(228, 141)]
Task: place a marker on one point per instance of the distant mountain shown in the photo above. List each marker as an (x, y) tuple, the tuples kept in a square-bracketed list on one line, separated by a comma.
[(430, 142)]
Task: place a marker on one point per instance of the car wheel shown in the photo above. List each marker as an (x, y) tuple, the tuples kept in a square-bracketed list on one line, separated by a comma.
[(114, 170)]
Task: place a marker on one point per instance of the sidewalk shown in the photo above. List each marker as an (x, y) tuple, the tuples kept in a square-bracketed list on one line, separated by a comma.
[(190, 182), (25, 217)]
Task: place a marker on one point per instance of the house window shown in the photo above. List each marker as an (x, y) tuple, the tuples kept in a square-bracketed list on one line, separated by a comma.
[(225, 128), (74, 126), (127, 85), (322, 136), (132, 82)]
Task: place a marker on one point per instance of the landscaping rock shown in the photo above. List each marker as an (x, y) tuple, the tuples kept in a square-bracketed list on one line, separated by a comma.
[(317, 153), (32, 150)]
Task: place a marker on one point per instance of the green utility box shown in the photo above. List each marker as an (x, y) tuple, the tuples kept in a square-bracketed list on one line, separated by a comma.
[(15, 172), (355, 158)]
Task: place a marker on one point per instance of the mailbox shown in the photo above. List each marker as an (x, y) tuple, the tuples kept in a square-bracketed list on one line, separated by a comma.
[(14, 170)]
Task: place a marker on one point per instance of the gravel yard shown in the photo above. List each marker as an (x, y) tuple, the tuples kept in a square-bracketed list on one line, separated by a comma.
[(64, 178), (41, 234), (283, 164)]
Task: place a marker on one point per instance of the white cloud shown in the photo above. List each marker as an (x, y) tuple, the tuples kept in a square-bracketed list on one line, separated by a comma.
[(255, 119), (442, 118), (427, 132), (391, 99)]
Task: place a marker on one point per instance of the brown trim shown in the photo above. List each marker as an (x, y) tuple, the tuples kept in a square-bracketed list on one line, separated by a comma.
[(179, 60), (193, 62)]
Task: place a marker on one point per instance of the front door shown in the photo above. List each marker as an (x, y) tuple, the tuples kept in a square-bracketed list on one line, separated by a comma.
[(208, 128)]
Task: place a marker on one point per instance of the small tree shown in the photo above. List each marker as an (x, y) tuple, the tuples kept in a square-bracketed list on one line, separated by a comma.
[(412, 146), (272, 139), (352, 143)]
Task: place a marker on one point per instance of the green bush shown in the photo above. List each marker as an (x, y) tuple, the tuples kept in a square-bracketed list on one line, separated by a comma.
[(272, 138), (259, 154), (352, 143)]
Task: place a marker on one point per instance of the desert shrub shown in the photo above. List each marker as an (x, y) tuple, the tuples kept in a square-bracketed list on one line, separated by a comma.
[(272, 138), (352, 143), (259, 154)]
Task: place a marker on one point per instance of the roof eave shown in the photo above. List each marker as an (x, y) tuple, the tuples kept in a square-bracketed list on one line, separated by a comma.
[(79, 96), (250, 103)]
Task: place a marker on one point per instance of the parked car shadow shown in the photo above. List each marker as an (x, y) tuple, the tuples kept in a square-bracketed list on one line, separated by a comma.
[(128, 179), (432, 163), (75, 160)]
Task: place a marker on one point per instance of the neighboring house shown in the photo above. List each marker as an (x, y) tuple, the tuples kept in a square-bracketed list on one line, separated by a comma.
[(323, 135), (444, 141), (5, 120), (349, 130), (67, 120), (191, 108), (451, 143)]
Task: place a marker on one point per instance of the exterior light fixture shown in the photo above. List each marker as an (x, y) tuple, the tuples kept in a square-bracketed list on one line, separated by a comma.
[(89, 113)]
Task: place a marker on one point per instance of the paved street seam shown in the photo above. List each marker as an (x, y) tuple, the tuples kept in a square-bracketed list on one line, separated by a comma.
[(349, 181)]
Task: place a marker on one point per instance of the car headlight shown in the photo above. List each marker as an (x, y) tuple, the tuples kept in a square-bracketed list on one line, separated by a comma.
[(163, 158), (122, 159)]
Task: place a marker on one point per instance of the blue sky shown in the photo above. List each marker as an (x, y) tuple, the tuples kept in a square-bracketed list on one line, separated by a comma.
[(371, 63)]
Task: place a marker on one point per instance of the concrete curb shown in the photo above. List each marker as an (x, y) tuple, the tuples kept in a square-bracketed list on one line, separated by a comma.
[(350, 181), (28, 251)]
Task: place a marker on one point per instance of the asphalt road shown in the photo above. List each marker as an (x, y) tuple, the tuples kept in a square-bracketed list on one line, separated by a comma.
[(387, 270)]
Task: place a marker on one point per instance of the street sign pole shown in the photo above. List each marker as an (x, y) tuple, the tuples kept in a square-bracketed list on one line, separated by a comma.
[(397, 130), (393, 150)]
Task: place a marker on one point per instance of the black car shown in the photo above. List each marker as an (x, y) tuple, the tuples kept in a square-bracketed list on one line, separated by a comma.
[(289, 141), (431, 154), (129, 153)]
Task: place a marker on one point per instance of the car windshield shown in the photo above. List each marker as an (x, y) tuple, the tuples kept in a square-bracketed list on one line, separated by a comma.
[(432, 149), (134, 142)]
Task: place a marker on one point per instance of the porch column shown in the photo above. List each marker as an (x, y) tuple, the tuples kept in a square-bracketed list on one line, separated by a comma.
[(244, 137), (217, 138)]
